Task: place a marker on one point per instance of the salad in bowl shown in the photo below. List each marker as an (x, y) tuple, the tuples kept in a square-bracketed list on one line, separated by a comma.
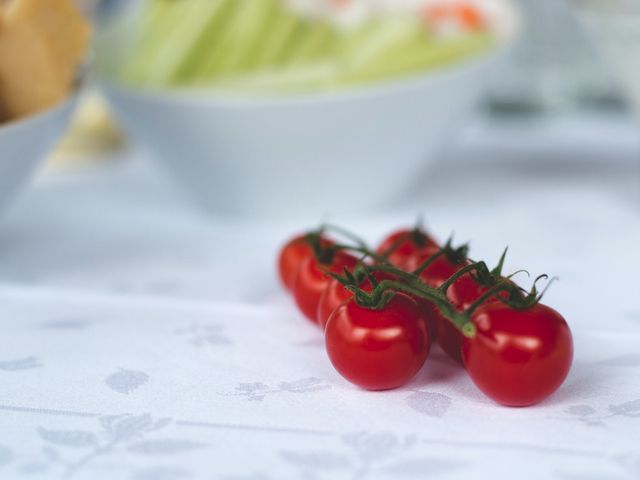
[(266, 46), (256, 105)]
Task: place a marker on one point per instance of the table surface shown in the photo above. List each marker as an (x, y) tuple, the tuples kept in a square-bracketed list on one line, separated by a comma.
[(145, 340)]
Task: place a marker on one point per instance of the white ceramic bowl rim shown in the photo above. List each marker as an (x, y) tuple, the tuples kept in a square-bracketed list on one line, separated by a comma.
[(204, 97)]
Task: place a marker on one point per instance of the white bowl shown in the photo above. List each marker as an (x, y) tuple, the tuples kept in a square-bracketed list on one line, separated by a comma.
[(303, 155), (25, 143)]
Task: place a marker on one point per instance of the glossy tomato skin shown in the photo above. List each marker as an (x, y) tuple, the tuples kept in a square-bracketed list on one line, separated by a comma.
[(406, 246), (336, 294), (518, 357), (292, 254), (311, 280), (465, 291), (438, 271), (447, 335), (378, 349)]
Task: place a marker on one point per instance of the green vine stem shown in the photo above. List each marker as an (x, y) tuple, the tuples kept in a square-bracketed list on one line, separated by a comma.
[(346, 233), (416, 235), (472, 267), (424, 265), (410, 283)]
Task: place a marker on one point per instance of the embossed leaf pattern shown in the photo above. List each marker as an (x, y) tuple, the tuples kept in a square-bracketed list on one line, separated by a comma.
[(429, 403), (162, 473), (422, 467), (131, 426), (165, 446), (377, 445), (580, 410), (315, 460), (68, 438), (251, 387), (66, 324), (627, 409), (304, 385), (20, 364), (122, 427), (126, 381), (6, 456), (160, 423), (249, 476), (201, 335)]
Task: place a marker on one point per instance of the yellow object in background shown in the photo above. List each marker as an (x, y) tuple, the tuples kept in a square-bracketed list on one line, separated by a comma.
[(42, 43), (93, 135)]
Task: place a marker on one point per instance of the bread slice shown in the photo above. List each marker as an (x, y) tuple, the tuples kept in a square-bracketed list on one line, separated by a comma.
[(42, 42)]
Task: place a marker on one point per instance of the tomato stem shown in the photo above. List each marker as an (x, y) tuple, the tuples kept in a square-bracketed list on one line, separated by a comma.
[(459, 319), (395, 245), (410, 283), (477, 266), (504, 285), (383, 291), (424, 265), (347, 234)]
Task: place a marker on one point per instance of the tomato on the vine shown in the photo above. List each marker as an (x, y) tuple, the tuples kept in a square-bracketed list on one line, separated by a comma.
[(336, 294), (404, 244), (292, 254), (518, 357), (439, 271), (311, 280), (378, 349)]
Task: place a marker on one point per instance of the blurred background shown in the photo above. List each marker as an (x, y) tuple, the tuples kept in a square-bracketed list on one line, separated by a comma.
[(184, 141), (203, 121), (560, 102)]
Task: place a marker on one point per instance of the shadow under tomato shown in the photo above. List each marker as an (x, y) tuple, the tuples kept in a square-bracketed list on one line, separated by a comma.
[(438, 369), (583, 382)]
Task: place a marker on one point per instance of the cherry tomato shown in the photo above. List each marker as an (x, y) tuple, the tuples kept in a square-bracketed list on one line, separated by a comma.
[(311, 280), (292, 256), (336, 294), (462, 293), (518, 357), (465, 291), (405, 244), (447, 335), (378, 349)]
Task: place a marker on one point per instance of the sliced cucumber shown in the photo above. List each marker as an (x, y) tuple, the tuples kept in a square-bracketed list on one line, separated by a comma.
[(262, 44)]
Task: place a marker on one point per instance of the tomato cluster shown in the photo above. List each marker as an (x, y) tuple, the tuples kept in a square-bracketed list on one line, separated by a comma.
[(381, 310)]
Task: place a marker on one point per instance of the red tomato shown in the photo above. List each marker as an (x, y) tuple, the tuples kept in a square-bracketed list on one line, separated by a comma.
[(336, 294), (462, 293), (311, 280), (518, 357), (292, 255), (447, 335), (378, 349), (415, 242), (465, 291)]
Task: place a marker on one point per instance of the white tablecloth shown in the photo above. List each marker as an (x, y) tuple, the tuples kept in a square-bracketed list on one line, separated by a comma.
[(142, 340)]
